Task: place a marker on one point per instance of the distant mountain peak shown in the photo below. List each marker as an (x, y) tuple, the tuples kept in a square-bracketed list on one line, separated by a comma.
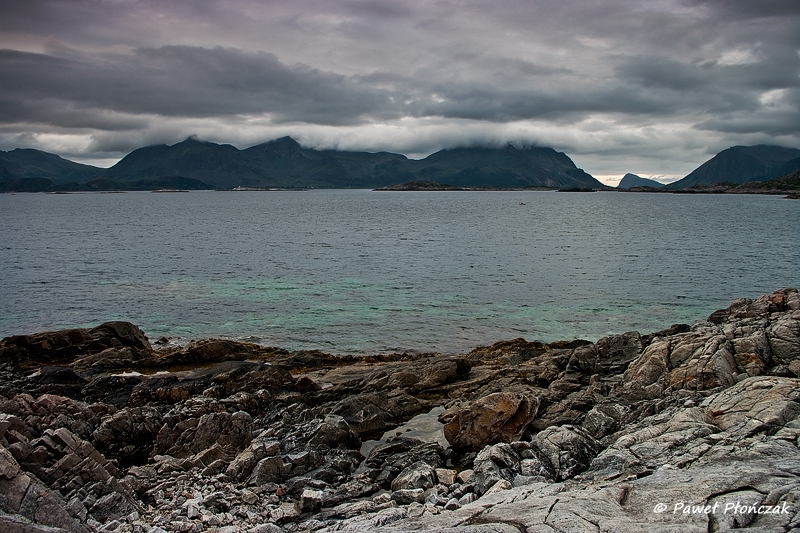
[(741, 164), (193, 139), (632, 180), (285, 140)]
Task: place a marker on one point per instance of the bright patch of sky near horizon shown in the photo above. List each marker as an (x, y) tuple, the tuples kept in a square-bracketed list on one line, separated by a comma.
[(654, 88)]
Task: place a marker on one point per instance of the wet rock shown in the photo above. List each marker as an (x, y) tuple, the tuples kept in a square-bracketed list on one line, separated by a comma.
[(115, 390), (208, 351)]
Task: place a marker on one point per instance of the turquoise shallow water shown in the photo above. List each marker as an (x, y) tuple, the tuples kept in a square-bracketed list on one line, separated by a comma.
[(366, 272)]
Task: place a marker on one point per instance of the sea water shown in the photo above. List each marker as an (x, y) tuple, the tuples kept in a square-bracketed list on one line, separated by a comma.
[(356, 271)]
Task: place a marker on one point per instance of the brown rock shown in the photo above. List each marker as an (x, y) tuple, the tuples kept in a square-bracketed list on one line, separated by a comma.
[(70, 344), (498, 417)]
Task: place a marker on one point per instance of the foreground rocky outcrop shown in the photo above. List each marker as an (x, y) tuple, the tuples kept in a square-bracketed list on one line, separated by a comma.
[(694, 428)]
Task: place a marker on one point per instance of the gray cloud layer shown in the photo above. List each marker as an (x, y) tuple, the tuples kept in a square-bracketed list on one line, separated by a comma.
[(648, 87)]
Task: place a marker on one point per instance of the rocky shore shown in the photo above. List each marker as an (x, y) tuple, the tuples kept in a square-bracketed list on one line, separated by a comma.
[(694, 428)]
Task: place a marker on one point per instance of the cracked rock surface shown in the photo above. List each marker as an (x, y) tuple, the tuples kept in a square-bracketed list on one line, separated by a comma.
[(694, 428)]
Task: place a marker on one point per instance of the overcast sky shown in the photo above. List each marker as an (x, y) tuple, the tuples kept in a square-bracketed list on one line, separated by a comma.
[(650, 87)]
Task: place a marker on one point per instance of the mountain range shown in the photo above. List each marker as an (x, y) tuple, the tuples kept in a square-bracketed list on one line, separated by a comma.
[(284, 163)]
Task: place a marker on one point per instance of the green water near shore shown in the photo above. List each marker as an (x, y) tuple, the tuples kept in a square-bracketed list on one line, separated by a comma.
[(365, 272)]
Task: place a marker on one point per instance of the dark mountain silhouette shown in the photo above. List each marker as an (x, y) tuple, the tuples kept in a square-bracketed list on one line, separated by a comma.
[(632, 180), (29, 163), (284, 163), (741, 164), (495, 167)]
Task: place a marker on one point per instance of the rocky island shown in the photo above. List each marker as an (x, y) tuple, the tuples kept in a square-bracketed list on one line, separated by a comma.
[(694, 428)]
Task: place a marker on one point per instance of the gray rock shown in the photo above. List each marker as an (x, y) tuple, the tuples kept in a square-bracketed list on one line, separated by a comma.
[(568, 449), (406, 496), (311, 500), (452, 504), (419, 475), (494, 463)]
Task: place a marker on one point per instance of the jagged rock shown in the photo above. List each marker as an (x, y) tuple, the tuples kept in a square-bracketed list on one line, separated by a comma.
[(231, 431), (69, 344), (494, 463), (372, 413), (25, 496), (499, 417), (311, 500), (610, 355), (604, 419), (756, 404), (335, 433), (568, 449), (387, 460), (261, 447), (269, 470), (418, 475), (446, 476), (706, 413), (128, 434)]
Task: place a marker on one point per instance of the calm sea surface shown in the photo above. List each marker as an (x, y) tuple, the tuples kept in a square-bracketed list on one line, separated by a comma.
[(366, 272)]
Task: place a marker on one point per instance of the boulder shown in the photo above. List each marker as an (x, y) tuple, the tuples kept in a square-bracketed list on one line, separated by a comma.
[(372, 413), (418, 475), (498, 417), (494, 463), (568, 449)]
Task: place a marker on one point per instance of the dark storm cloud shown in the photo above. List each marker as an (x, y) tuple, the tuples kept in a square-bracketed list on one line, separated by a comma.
[(189, 81), (676, 78), (185, 81)]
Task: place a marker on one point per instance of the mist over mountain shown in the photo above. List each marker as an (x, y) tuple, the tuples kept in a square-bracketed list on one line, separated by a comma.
[(741, 164), (632, 180)]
